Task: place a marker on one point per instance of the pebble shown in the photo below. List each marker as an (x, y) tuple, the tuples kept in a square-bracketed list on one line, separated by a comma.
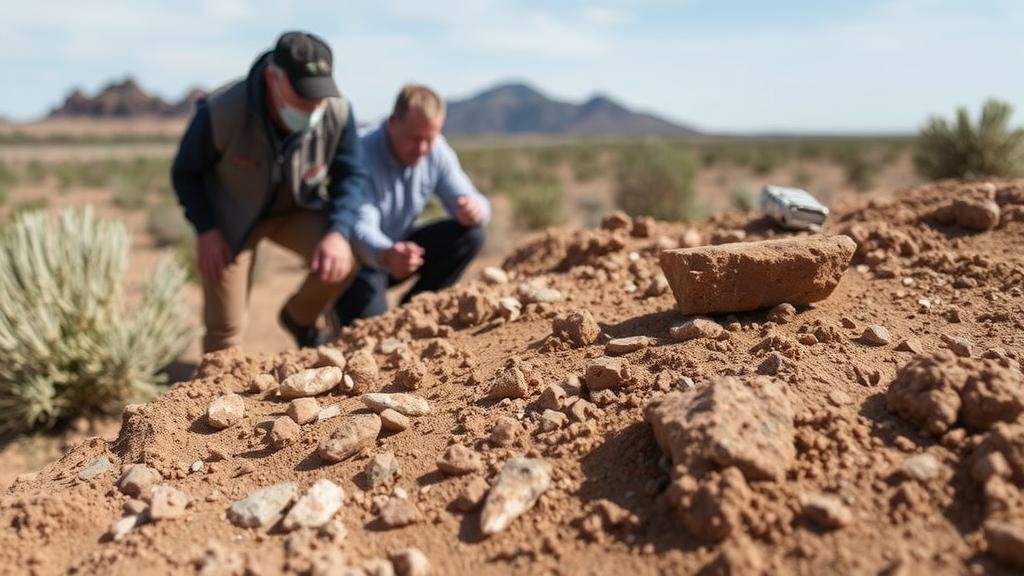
[(328, 412), (316, 507), (167, 502), (506, 431), (782, 313), (551, 420), (410, 562), (303, 410), (401, 402), (122, 526), (393, 420), (582, 410), (94, 468), (876, 335), (471, 495), (329, 356), (225, 411), (397, 512), (825, 510), (620, 346), (552, 397), (494, 275), (458, 460), (959, 345), (388, 345), (516, 489), (607, 372), (363, 372), (698, 328), (381, 469), (262, 383), (921, 467), (354, 433), (311, 382), (509, 308), (137, 480), (509, 382), (283, 432), (260, 507), (912, 345)]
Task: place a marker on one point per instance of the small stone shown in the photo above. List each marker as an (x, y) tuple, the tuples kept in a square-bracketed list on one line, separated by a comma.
[(606, 372), (283, 432), (807, 339), (579, 328), (876, 335), (373, 567), (959, 345), (311, 382), (413, 376), (493, 275), (458, 460), (94, 468), (509, 382), (410, 562), (196, 466), (316, 507), (516, 489), (398, 512), (328, 412), (137, 480), (509, 308), (551, 420), (921, 467), (471, 495), (260, 507), (552, 397), (330, 356), (303, 410), (782, 313), (912, 345), (355, 433), (620, 346), (381, 469), (261, 383), (393, 420), (122, 526), (581, 411), (135, 506), (698, 328), (976, 213), (408, 404), (225, 411), (167, 502), (1005, 541), (389, 345), (506, 431), (362, 369), (825, 510), (617, 220)]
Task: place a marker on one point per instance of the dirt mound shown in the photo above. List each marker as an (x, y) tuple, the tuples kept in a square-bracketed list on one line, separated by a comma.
[(877, 430)]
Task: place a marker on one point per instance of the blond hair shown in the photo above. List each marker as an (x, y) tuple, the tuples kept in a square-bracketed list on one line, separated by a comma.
[(421, 98)]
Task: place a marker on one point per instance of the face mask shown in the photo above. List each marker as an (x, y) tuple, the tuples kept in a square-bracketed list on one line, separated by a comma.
[(298, 120)]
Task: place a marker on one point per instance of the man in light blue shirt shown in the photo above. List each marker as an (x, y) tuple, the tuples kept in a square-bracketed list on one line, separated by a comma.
[(408, 160)]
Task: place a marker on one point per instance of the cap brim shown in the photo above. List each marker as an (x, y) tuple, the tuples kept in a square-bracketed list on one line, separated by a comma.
[(316, 87)]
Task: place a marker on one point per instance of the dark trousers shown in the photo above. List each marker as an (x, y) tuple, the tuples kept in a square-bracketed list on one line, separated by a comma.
[(449, 247)]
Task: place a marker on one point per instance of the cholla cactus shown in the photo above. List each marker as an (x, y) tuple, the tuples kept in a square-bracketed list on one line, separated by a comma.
[(69, 344)]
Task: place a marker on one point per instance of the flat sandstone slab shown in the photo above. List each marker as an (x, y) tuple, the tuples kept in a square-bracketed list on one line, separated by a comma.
[(746, 276)]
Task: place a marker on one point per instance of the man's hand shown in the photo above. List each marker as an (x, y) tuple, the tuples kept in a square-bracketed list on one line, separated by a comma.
[(212, 254), (403, 259), (332, 258), (469, 212)]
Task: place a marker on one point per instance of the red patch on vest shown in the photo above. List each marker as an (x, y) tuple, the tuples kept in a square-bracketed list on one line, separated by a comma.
[(245, 161), (315, 174)]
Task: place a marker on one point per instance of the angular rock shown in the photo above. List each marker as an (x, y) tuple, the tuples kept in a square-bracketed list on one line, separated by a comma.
[(122, 526), (316, 507), (310, 382), (698, 328), (552, 397), (283, 432), (262, 383), (398, 512), (381, 469), (620, 346), (976, 213), (303, 410), (225, 411), (751, 275), (921, 467), (410, 562), (94, 468), (825, 510), (137, 480), (475, 308), (262, 506), (579, 411), (471, 495), (167, 502), (355, 433), (579, 328), (509, 382), (607, 373), (959, 345), (330, 356), (393, 420), (727, 422), (458, 460), (509, 308), (551, 420), (876, 335), (407, 404), (328, 412), (782, 313), (516, 489), (413, 375), (363, 371), (506, 431)]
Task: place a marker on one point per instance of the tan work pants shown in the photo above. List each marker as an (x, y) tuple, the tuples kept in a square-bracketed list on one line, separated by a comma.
[(226, 301)]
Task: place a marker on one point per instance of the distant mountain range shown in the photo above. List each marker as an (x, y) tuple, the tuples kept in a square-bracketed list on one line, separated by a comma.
[(513, 108)]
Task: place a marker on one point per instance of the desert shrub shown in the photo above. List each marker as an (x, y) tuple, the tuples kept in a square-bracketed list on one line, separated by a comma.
[(962, 149), (586, 164), (743, 197), (655, 179), (68, 342), (27, 205), (185, 255), (860, 172), (167, 224), (538, 205)]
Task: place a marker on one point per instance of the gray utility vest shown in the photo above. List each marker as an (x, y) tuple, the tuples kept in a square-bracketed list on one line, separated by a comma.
[(254, 166)]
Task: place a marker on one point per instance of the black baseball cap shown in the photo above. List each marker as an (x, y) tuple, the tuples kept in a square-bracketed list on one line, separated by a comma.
[(307, 61)]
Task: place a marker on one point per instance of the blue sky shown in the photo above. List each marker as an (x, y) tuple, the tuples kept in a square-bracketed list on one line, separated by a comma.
[(743, 65)]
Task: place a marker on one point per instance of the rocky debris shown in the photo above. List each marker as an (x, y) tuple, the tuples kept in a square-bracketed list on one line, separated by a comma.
[(311, 382), (225, 411), (509, 308), (283, 432), (261, 383), (303, 410), (397, 512), (355, 433), (727, 422), (137, 480), (122, 526), (393, 420), (471, 495), (410, 562), (551, 420), (390, 345), (620, 346), (876, 335), (617, 220), (316, 507), (494, 275), (936, 391), (167, 502), (959, 345), (1005, 541), (782, 313), (509, 382), (713, 509), (578, 328), (516, 489), (475, 308), (94, 468), (921, 467), (698, 328), (606, 373), (825, 510), (1001, 453), (401, 402), (912, 345), (413, 375), (362, 369), (975, 213), (381, 469), (330, 356), (581, 411), (751, 275), (458, 460), (328, 412), (552, 397), (537, 291), (506, 431), (262, 506)]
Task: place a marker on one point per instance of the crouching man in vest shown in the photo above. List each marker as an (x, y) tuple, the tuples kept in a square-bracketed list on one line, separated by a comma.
[(275, 155), (408, 161)]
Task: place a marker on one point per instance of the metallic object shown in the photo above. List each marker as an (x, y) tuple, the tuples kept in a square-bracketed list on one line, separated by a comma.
[(793, 208)]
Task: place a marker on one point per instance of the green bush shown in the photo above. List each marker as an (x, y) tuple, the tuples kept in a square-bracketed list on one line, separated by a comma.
[(69, 343), (961, 149), (538, 206), (655, 179)]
